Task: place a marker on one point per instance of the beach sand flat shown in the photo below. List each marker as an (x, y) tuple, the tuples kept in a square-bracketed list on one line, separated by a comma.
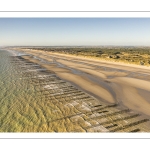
[(110, 83)]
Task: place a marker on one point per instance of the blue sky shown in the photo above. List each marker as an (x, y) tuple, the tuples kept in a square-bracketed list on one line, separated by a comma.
[(74, 31)]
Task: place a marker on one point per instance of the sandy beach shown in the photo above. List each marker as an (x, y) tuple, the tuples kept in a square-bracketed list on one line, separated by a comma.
[(127, 85)]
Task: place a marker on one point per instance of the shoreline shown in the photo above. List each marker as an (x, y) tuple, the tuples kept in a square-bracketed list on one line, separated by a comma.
[(112, 86)]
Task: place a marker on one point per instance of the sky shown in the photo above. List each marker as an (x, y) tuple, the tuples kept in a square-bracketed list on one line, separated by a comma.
[(74, 31)]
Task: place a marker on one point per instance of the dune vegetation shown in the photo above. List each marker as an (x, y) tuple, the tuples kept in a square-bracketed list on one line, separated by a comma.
[(133, 55)]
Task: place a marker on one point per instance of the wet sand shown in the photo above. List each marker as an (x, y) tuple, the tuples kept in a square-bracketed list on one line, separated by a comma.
[(127, 85)]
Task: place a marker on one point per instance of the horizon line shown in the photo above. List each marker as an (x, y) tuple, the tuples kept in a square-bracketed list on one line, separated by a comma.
[(76, 46)]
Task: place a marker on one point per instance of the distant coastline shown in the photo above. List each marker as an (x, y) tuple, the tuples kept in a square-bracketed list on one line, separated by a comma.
[(136, 55)]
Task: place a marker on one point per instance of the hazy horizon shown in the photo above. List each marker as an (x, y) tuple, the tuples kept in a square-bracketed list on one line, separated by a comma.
[(75, 46), (75, 32)]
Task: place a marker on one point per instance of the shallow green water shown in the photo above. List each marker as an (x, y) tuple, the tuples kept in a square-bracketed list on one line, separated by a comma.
[(21, 105), (14, 96), (25, 106)]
